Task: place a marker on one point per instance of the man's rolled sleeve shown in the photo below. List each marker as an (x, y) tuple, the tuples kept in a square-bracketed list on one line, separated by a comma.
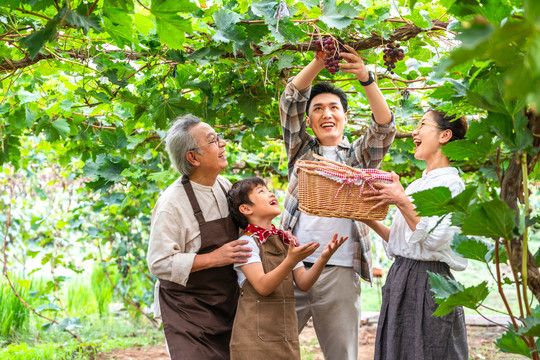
[(375, 143), (292, 109), (182, 263), (389, 128), (166, 257)]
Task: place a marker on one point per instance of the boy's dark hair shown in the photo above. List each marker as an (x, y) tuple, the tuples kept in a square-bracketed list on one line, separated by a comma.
[(238, 195), (458, 126), (327, 87)]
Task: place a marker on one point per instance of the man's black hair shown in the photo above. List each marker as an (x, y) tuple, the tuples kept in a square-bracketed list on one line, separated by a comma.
[(327, 87), (239, 195)]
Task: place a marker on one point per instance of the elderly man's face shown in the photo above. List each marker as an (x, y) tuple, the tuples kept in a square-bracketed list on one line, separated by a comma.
[(211, 154)]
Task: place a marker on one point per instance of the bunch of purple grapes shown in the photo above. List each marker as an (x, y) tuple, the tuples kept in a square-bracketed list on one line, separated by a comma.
[(332, 54), (392, 53)]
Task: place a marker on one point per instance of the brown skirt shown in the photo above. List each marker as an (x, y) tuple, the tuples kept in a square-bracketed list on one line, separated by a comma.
[(407, 329)]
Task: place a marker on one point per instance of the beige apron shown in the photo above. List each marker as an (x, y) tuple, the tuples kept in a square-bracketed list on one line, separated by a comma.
[(266, 327), (198, 317)]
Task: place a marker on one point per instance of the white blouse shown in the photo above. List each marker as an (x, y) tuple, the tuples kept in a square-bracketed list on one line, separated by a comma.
[(422, 244)]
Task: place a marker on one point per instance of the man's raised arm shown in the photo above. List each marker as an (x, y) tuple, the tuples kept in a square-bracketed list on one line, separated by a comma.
[(355, 65)]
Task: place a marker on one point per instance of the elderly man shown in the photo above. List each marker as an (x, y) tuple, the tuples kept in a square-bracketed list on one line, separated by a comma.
[(192, 246), (334, 301)]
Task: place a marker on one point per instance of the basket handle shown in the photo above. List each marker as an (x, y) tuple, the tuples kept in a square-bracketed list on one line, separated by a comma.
[(322, 158)]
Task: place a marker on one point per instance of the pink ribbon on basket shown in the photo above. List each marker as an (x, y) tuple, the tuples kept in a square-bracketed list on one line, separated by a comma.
[(347, 180)]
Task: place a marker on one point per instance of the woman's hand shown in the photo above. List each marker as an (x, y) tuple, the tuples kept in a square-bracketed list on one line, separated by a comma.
[(388, 194)]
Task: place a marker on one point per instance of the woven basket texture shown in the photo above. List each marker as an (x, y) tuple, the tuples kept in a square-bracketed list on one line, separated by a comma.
[(316, 195)]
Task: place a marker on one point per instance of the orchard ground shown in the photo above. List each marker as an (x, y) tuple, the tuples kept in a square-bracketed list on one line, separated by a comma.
[(481, 345)]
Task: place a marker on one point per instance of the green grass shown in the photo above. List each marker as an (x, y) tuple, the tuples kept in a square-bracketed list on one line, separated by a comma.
[(370, 297), (306, 349), (99, 334), (101, 288), (23, 351), (14, 316), (27, 336)]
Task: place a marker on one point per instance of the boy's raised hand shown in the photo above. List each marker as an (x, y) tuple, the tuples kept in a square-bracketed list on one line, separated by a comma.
[(332, 246), (299, 253)]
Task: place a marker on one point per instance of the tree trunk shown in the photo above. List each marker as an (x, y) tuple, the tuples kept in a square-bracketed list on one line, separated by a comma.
[(511, 191)]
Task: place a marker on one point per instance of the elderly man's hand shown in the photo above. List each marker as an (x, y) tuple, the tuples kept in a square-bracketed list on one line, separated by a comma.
[(231, 253)]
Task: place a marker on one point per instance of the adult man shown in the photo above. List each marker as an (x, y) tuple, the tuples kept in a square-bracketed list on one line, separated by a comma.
[(334, 301), (192, 246)]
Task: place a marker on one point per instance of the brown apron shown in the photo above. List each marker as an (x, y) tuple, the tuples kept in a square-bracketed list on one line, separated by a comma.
[(198, 317), (266, 327)]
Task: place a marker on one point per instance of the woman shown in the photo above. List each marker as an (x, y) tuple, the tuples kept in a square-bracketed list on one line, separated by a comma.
[(407, 329)]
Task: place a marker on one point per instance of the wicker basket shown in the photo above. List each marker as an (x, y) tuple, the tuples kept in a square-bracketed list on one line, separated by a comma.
[(317, 190)]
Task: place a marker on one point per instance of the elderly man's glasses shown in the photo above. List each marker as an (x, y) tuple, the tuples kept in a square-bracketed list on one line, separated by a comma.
[(215, 140)]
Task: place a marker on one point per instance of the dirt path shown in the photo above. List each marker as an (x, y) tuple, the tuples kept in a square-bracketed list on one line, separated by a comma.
[(480, 339)]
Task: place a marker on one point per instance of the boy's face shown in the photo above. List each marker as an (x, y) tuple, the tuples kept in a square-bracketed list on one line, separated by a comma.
[(264, 203)]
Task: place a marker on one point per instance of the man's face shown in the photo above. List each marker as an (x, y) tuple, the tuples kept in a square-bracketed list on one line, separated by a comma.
[(327, 118), (211, 149)]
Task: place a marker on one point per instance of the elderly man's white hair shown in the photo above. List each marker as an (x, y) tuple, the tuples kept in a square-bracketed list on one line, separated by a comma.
[(179, 141)]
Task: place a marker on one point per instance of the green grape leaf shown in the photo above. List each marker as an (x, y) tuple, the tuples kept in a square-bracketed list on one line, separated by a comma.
[(48, 307), (471, 297), (83, 22), (22, 118), (443, 287), (471, 248), (285, 61), (169, 109), (429, 202), (107, 167), (113, 139), (70, 324), (449, 294), (338, 16), (511, 343), (28, 97), (227, 29), (35, 41), (9, 149), (118, 24), (248, 105), (421, 19), (265, 9), (172, 28), (469, 149), (531, 327), (62, 126), (490, 219), (112, 168)]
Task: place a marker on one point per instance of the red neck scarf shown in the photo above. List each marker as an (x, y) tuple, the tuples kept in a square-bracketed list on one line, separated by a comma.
[(263, 234)]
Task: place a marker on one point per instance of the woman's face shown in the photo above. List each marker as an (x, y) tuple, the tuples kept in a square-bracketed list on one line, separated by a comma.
[(427, 137)]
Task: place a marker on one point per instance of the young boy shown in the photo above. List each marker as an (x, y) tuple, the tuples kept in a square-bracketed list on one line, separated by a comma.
[(266, 325)]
